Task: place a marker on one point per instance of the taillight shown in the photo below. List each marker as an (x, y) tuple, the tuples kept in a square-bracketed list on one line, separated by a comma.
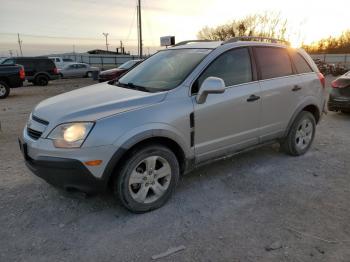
[(22, 74), (335, 84), (322, 79), (55, 71)]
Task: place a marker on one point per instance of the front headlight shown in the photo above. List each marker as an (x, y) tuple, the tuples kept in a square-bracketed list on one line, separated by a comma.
[(71, 135)]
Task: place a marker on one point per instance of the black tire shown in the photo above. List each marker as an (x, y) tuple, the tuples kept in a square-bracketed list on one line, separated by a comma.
[(4, 90), (89, 74), (290, 144), (122, 189), (41, 80)]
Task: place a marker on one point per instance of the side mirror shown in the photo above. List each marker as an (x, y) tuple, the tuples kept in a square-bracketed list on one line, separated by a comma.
[(211, 85)]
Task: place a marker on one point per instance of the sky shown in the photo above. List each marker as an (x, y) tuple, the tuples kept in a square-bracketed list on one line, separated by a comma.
[(51, 26)]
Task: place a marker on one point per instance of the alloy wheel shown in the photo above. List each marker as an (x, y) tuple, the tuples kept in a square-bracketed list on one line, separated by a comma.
[(150, 179), (304, 134)]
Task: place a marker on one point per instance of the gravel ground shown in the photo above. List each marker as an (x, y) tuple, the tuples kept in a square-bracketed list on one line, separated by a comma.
[(236, 209)]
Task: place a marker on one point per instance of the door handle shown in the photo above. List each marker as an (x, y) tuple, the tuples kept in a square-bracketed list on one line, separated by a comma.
[(296, 88), (253, 98)]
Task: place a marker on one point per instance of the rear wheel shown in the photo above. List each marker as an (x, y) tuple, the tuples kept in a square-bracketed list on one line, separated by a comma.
[(89, 74), (4, 90), (147, 179), (41, 80), (301, 134)]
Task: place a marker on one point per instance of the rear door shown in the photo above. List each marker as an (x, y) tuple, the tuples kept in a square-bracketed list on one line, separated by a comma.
[(228, 121), (277, 82)]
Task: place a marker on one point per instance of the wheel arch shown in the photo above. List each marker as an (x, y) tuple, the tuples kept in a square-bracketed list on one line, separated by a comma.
[(148, 138), (308, 107)]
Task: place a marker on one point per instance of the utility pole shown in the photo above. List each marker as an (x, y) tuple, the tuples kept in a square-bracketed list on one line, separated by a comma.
[(139, 20), (106, 36), (20, 44)]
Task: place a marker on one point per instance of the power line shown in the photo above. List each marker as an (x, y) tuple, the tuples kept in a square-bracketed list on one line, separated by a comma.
[(68, 37)]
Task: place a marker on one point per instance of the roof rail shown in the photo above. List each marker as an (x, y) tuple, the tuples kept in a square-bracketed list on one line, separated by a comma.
[(191, 41), (257, 39)]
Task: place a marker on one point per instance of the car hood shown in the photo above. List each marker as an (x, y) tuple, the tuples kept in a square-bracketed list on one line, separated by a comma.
[(94, 102), (112, 71)]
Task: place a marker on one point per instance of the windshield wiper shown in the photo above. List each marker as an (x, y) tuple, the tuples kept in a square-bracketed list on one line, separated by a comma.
[(132, 86)]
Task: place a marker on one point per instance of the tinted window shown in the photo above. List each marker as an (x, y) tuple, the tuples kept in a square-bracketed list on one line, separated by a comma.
[(273, 62), (8, 62), (233, 67), (300, 63)]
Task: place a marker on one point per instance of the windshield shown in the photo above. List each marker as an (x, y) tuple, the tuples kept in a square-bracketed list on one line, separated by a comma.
[(128, 65), (165, 70)]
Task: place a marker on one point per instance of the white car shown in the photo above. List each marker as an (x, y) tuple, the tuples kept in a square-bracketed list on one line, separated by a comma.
[(61, 62)]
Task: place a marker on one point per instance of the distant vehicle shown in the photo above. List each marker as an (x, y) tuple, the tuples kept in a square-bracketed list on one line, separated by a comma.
[(61, 62), (339, 98), (39, 70), (77, 70), (11, 76), (117, 72)]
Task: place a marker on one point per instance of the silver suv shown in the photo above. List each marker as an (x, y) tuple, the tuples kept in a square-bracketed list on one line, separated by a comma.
[(182, 107)]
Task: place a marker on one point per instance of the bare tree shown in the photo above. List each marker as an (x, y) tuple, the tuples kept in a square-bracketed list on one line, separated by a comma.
[(264, 25)]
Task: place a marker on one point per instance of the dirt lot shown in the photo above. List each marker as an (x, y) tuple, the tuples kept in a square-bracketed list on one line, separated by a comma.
[(233, 210)]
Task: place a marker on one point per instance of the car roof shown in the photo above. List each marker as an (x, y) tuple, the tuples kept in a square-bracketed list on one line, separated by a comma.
[(217, 44)]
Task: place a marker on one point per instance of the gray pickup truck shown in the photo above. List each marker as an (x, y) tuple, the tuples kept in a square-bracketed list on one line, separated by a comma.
[(11, 76)]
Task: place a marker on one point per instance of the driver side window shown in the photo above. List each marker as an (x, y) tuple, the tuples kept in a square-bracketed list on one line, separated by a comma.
[(234, 67)]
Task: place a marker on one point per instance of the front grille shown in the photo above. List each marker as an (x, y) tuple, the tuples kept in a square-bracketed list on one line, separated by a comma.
[(39, 120), (34, 134)]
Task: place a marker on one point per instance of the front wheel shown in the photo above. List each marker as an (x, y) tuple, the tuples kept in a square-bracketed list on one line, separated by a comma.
[(301, 134), (4, 90), (147, 179)]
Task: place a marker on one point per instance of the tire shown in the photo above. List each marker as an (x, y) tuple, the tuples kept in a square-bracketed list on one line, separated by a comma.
[(4, 90), (301, 135), (41, 80), (346, 112), (89, 74), (143, 167)]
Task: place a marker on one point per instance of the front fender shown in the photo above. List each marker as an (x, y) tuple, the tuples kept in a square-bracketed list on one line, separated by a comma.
[(144, 132)]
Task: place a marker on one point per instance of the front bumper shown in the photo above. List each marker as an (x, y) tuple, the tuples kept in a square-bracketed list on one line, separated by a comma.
[(68, 174), (66, 168)]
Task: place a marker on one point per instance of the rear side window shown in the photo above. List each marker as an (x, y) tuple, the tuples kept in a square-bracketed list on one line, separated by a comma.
[(273, 62), (300, 63), (234, 67), (8, 62)]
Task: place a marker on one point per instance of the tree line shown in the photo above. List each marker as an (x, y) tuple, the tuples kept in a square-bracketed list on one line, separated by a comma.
[(272, 25), (330, 45)]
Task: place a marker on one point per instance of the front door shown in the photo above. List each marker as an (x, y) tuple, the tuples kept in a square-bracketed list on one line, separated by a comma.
[(228, 121)]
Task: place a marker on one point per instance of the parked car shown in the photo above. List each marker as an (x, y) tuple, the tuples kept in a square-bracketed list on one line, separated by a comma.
[(182, 107), (61, 62), (11, 76), (39, 70), (78, 70), (339, 98), (114, 73)]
